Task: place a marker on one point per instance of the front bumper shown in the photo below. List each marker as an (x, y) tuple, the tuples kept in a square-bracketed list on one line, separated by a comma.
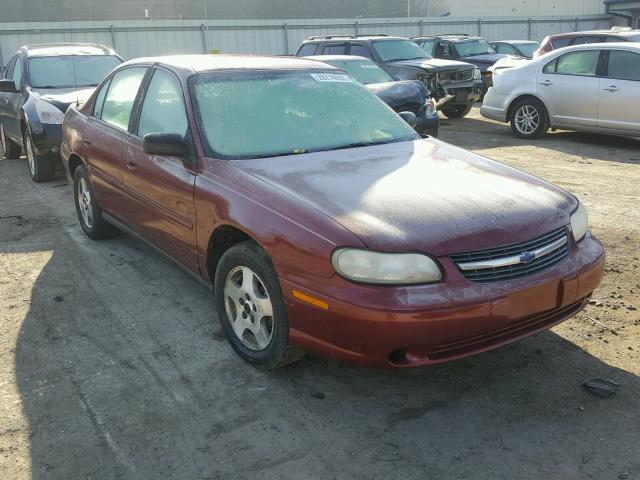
[(430, 324), (465, 93), (47, 138)]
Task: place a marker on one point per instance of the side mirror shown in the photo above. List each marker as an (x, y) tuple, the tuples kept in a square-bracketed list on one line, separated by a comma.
[(409, 117), (8, 86), (165, 144)]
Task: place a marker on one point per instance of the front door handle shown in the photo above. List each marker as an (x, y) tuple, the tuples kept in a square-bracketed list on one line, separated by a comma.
[(130, 165), (546, 83), (612, 88), (86, 141)]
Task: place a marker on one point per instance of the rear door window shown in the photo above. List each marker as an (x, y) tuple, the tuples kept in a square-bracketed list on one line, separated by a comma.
[(307, 49), (624, 65), (119, 101), (561, 42), (443, 50)]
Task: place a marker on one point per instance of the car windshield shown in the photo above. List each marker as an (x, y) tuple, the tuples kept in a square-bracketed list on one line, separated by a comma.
[(267, 114), (470, 48), (527, 49), (365, 71), (70, 70), (392, 50)]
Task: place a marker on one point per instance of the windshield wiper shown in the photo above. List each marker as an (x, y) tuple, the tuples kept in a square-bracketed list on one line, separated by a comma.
[(407, 59)]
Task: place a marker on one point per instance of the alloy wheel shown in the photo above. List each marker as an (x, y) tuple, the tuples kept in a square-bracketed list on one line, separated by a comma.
[(527, 119), (84, 202), (249, 308)]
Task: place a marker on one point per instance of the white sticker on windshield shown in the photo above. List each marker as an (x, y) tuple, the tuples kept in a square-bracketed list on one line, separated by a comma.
[(331, 77), (366, 65)]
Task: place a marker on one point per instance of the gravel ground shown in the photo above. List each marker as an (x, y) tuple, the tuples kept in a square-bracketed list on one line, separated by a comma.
[(112, 364)]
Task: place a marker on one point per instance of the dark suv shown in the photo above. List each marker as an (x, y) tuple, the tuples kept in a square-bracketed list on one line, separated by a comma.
[(456, 85), (553, 42), (475, 50), (40, 82)]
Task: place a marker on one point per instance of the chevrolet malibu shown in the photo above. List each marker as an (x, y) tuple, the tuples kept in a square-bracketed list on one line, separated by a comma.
[(319, 217)]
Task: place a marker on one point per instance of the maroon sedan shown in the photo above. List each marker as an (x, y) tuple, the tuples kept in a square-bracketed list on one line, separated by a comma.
[(320, 218)]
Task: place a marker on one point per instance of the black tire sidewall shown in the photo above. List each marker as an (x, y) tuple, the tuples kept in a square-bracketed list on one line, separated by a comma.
[(248, 254), (543, 125), (43, 168), (458, 111), (12, 151)]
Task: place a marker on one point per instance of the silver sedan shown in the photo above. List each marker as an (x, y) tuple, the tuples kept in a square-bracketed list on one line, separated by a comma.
[(592, 88)]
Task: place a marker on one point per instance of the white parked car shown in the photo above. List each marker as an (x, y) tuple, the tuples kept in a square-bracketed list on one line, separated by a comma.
[(593, 87)]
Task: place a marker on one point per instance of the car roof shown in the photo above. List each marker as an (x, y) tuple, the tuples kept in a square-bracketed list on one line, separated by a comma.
[(449, 36), (57, 49), (616, 33), (205, 63), (337, 58), (516, 42), (634, 46), (334, 38)]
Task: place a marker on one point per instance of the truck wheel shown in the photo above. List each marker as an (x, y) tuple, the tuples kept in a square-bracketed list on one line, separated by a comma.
[(457, 111), (250, 308), (9, 149), (529, 119), (41, 168)]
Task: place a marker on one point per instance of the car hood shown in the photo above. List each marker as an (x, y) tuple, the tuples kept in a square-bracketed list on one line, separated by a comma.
[(63, 97), (424, 195), (487, 58), (432, 64), (400, 95)]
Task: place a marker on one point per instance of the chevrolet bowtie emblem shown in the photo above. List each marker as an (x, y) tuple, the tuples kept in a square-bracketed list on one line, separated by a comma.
[(527, 257)]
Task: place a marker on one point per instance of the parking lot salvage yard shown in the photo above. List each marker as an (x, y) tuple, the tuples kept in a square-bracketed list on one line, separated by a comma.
[(113, 366)]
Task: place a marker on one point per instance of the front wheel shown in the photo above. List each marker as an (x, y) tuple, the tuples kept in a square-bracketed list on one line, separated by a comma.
[(457, 111), (41, 168), (250, 307), (529, 119), (88, 210)]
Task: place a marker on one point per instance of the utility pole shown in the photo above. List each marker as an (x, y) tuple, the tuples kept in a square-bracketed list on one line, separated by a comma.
[(408, 8)]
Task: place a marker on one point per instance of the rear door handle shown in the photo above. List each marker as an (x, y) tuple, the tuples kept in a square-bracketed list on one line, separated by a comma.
[(546, 83), (612, 88), (130, 165), (86, 141)]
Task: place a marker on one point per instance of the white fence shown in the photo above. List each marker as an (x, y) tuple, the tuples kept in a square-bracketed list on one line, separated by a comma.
[(143, 38)]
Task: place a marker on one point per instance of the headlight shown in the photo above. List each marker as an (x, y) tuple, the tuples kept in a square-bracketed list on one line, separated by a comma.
[(430, 106), (476, 74), (579, 222), (47, 113), (385, 268)]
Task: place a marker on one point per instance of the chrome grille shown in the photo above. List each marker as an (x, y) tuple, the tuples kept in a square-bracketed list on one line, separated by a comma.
[(456, 76), (515, 260)]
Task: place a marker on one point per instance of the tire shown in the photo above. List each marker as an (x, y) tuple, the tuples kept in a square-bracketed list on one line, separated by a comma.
[(529, 119), (250, 308), (87, 208), (9, 149), (457, 111), (41, 169)]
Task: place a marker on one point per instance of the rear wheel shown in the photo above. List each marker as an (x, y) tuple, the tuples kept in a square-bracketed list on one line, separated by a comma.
[(529, 119), (41, 169), (457, 111), (250, 307), (9, 149)]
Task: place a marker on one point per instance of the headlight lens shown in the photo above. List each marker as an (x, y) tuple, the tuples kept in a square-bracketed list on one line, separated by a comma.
[(579, 222), (48, 113), (385, 268), (476, 74)]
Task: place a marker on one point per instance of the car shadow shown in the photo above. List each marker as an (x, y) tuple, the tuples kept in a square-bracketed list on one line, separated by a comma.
[(123, 372), (498, 135)]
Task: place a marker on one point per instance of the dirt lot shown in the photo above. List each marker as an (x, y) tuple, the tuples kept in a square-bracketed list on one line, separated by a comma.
[(112, 364)]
